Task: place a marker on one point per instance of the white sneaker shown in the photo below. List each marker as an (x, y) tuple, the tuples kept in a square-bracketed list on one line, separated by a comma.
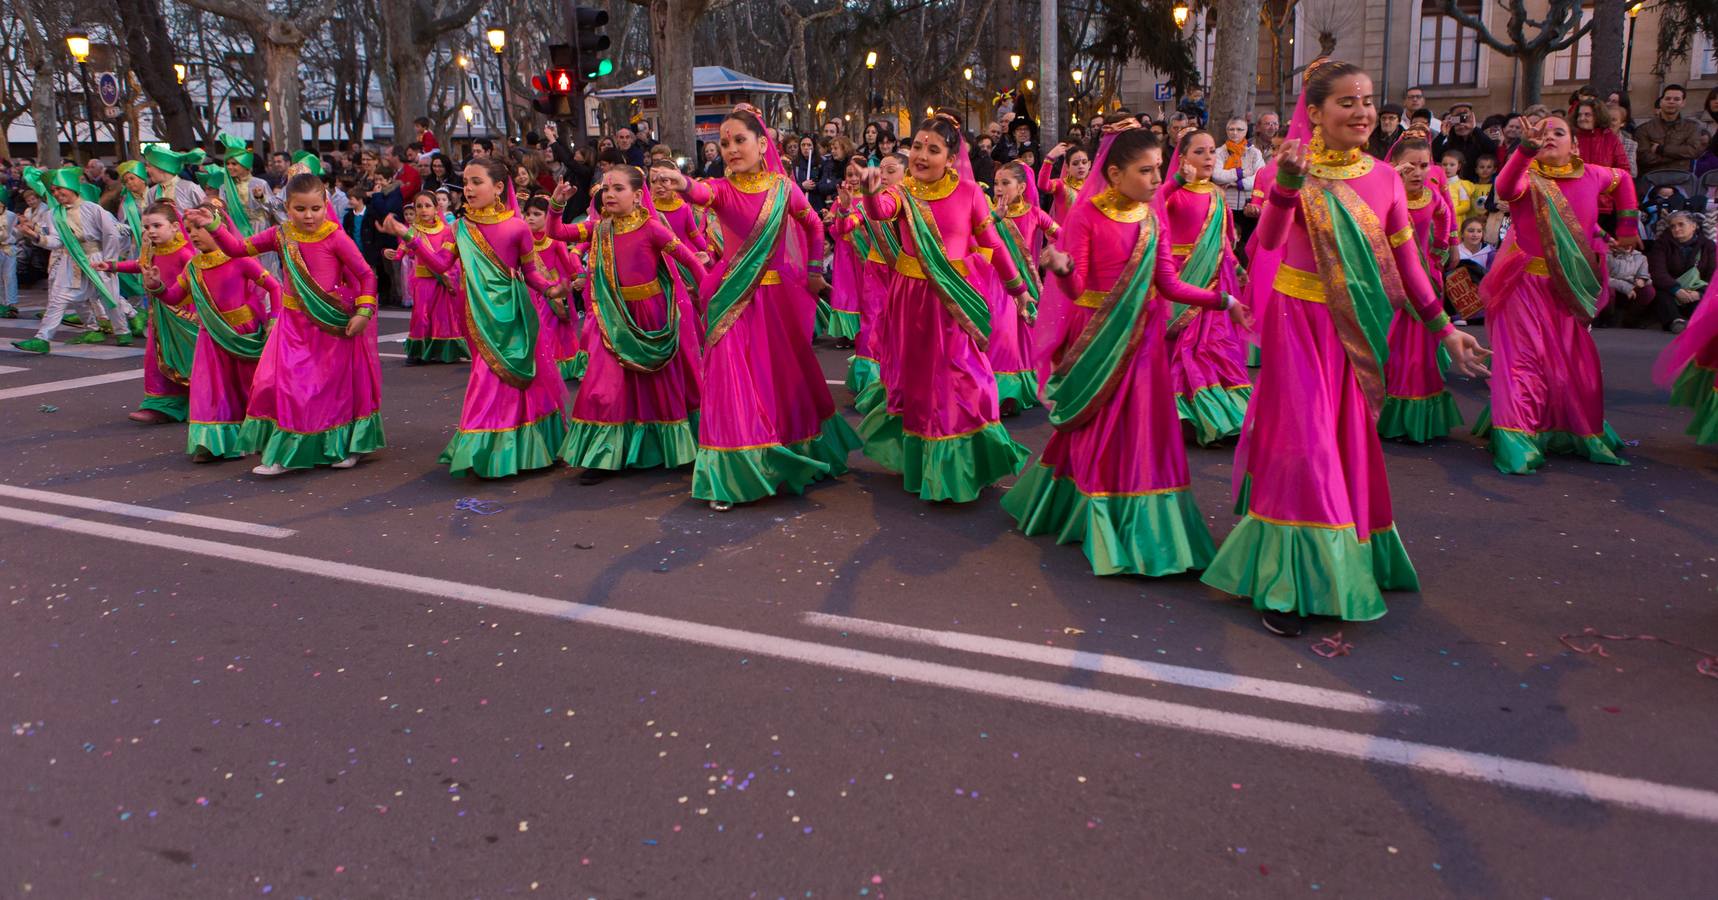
[(346, 463), (269, 470)]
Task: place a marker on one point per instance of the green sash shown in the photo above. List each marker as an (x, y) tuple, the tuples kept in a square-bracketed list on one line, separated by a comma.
[(1015, 243), (132, 285), (960, 298), (318, 304), (1574, 274), (740, 281), (684, 274), (861, 240), (1200, 270), (882, 239), (1358, 269), (175, 342), (501, 323), (246, 346), (1089, 372), (75, 249), (236, 208), (639, 349)]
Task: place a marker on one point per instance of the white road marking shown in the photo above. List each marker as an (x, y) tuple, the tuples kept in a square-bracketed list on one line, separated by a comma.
[(833, 381), (70, 384), (1597, 787), (169, 516), (1125, 667), (7, 370), (392, 355), (392, 338)]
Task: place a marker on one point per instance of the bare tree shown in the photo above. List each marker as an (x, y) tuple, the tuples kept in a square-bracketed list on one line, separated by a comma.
[(152, 53), (1236, 57), (411, 30), (40, 19), (281, 37), (1558, 29)]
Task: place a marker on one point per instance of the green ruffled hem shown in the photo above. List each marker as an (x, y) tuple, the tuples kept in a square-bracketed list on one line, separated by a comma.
[(221, 439), (498, 454), (176, 406), (296, 450), (742, 476), (1419, 420), (838, 324), (1215, 413), (1021, 387), (1311, 570), (437, 350), (954, 469), (630, 445), (574, 369), (1255, 359), (1697, 386), (1121, 534), (862, 372), (825, 312), (1519, 452)]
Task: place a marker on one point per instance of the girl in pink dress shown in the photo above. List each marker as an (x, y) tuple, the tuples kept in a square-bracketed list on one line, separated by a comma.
[(511, 420), (231, 297), (1114, 475), (1010, 350), (879, 267), (1317, 536), (934, 416), (1418, 407), (768, 423), (638, 404), (1076, 168), (852, 246), (1207, 364), (168, 346), (560, 318), (316, 398), (1689, 367), (682, 220), (436, 333), (1548, 393)]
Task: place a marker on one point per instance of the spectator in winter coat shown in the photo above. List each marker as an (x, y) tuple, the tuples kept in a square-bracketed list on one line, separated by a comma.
[(1681, 262), (1669, 141)]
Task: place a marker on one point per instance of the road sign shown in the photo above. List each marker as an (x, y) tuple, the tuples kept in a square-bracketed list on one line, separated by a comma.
[(107, 88), (1163, 92)]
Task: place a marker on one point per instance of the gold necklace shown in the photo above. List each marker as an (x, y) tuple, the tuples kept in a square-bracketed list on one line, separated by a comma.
[(1119, 207), (1570, 169), (208, 259), (935, 190), (752, 182), (1323, 162), (299, 235), (630, 222), (498, 212)]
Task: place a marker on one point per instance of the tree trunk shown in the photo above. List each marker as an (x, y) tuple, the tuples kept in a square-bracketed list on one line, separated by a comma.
[(1532, 77), (671, 23), (43, 114), (1610, 18), (281, 76), (1237, 57), (152, 55), (411, 90)]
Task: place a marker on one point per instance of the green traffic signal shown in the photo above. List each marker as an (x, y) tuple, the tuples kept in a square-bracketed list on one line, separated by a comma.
[(604, 67)]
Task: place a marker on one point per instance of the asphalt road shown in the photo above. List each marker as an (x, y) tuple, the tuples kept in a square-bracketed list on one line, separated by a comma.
[(344, 685)]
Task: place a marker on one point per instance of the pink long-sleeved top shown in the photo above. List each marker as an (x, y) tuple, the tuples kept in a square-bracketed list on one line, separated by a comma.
[(442, 237), (228, 281), (1100, 243), (962, 217), (1282, 225), (1582, 185), (1064, 190), (1031, 220), (639, 241), (737, 199), (683, 221), (1187, 207), (848, 218), (511, 240), (330, 259), (1433, 230), (170, 261)]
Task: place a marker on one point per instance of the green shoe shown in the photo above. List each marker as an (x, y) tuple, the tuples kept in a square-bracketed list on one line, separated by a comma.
[(123, 339), (72, 319), (136, 323), (104, 326), (8, 312), (89, 337), (33, 345)]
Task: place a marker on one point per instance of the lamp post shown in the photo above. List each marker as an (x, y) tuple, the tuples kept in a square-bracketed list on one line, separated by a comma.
[(179, 72), (966, 96), (465, 113), (1079, 77), (870, 82), (78, 43), (1181, 12), (498, 42), (1628, 51)]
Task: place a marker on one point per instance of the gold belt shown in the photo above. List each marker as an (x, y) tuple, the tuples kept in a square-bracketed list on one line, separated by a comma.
[(636, 292), (1536, 265), (241, 316), (986, 252), (422, 271), (291, 301), (1299, 284), (1091, 299), (875, 257), (770, 277), (1181, 249), (912, 268)]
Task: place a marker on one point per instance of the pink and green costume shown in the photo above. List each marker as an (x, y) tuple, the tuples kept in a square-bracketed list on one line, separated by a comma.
[(847, 279), (876, 268), (1689, 365), (231, 298), (1113, 476), (1549, 280), (1009, 348), (436, 332), (1317, 534), (512, 418), (768, 423), (560, 328), (933, 415), (316, 397), (1063, 191), (1208, 359), (637, 406), (170, 341), (1418, 406)]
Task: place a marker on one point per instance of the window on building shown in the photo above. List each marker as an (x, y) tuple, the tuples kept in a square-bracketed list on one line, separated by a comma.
[(1702, 61), (1573, 63), (1448, 50), (1278, 10), (242, 112)]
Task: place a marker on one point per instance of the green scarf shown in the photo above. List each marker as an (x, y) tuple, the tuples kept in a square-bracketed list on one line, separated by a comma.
[(639, 349), (1358, 268), (1015, 243), (501, 323), (318, 304), (861, 242), (960, 298), (216, 177), (175, 342), (1574, 277), (246, 346), (1089, 372), (75, 249), (1202, 263), (883, 239), (132, 285), (740, 281)]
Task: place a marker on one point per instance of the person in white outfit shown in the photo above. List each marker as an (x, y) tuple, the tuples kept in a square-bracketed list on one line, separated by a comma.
[(79, 235)]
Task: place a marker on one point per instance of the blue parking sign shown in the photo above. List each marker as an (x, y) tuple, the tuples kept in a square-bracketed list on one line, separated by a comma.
[(1162, 93)]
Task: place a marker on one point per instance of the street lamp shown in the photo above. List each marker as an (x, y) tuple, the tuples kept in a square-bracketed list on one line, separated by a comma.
[(1031, 85), (1181, 12), (465, 113), (1014, 60), (966, 97), (180, 71), (870, 82), (497, 38), (1628, 51), (1078, 75), (78, 43)]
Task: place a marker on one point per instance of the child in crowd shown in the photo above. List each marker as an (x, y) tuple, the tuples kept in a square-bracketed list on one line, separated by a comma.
[(1461, 190), (8, 264), (1473, 247), (1631, 287), (1484, 172)]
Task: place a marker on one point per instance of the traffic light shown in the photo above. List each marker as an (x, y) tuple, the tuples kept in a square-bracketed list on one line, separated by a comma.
[(589, 43), (554, 97)]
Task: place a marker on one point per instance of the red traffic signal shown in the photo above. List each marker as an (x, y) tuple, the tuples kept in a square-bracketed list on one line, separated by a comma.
[(559, 81)]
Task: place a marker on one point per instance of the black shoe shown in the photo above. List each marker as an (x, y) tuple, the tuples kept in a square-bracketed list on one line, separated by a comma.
[(594, 476), (1283, 624), (843, 344), (1677, 326), (414, 361)]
